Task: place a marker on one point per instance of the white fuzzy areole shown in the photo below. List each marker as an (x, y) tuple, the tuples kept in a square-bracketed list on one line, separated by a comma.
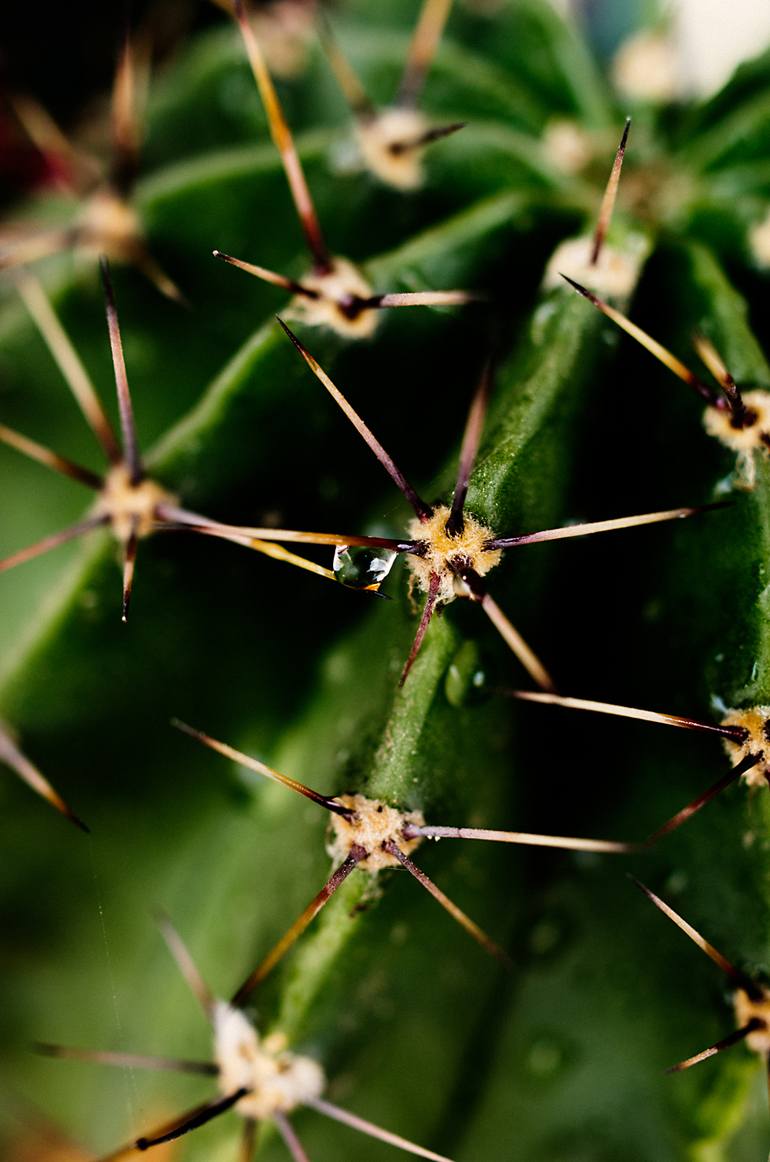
[(372, 825), (714, 38), (468, 550), (747, 1009), (613, 276), (756, 722), (567, 145), (130, 507), (279, 1081), (378, 134), (110, 225), (335, 289), (284, 29), (759, 241), (746, 440), (646, 67)]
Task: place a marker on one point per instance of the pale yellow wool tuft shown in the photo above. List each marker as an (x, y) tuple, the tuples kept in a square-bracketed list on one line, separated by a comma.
[(335, 288), (444, 554), (567, 145), (756, 722), (613, 276), (110, 225), (278, 1080), (646, 68), (759, 241), (130, 507), (372, 825), (746, 440), (747, 1009), (393, 127), (285, 32)]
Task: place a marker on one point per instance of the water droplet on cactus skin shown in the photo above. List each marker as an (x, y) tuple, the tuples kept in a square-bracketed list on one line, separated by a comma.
[(361, 568)]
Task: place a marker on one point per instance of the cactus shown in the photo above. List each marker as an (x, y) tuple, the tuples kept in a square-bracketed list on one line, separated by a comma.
[(560, 1053)]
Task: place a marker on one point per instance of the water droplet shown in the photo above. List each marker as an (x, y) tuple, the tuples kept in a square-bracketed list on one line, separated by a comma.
[(362, 568), (466, 679)]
